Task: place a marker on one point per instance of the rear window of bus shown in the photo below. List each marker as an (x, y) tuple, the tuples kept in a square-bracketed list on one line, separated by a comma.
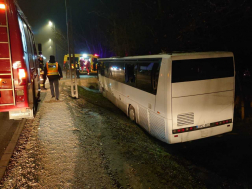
[(202, 69)]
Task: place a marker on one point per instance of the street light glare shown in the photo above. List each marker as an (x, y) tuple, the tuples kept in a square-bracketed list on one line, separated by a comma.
[(50, 23)]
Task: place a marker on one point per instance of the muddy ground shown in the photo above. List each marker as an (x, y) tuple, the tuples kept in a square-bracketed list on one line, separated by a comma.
[(104, 149)]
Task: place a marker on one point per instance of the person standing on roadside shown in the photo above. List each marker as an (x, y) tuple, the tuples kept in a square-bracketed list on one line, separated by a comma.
[(54, 73), (82, 64), (88, 67)]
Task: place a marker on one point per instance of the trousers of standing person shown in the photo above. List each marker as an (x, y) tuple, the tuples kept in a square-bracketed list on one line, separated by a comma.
[(54, 87), (54, 73)]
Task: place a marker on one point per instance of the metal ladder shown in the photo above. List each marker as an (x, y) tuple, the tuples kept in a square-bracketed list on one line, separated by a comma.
[(10, 61)]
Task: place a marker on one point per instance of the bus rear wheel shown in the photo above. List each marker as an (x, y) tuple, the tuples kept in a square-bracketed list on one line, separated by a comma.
[(132, 114)]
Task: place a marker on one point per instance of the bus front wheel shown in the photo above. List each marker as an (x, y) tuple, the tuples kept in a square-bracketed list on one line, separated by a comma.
[(132, 114)]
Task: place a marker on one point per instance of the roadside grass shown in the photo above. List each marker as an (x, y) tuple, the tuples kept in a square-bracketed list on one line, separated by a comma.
[(97, 99), (143, 151)]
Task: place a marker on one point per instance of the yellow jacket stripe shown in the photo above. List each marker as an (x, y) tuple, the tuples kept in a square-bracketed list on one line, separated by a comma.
[(52, 68)]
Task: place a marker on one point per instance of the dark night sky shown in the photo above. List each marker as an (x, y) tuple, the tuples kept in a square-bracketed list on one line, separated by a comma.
[(39, 12), (135, 27)]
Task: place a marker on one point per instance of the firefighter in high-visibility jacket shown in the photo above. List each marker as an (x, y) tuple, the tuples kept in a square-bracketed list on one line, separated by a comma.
[(54, 73)]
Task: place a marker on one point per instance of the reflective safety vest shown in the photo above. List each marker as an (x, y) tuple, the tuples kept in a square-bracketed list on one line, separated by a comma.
[(52, 68)]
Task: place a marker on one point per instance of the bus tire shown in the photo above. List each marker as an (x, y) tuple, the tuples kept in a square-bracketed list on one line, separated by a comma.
[(132, 114)]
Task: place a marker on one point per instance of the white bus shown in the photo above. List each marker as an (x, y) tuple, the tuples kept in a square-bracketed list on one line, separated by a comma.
[(175, 97)]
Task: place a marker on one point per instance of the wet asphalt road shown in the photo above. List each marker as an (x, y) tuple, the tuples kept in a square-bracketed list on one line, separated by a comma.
[(7, 129)]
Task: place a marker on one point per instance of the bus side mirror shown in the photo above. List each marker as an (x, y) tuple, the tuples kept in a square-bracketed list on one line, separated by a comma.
[(40, 48)]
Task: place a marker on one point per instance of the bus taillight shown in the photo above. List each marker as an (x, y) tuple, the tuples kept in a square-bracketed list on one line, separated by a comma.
[(219, 123), (21, 76)]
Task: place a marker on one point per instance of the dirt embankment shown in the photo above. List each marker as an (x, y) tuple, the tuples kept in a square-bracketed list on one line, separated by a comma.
[(131, 157)]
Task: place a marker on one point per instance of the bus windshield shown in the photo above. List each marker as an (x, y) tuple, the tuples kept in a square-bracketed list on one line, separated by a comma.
[(202, 69)]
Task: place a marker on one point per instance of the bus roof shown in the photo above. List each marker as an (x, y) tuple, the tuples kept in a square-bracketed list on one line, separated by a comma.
[(178, 55)]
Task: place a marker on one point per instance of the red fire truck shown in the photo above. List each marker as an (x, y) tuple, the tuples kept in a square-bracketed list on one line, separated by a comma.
[(19, 67)]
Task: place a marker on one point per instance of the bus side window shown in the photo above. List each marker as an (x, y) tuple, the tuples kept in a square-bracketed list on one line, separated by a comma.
[(130, 73), (106, 69), (155, 76), (147, 77), (117, 71), (101, 68)]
